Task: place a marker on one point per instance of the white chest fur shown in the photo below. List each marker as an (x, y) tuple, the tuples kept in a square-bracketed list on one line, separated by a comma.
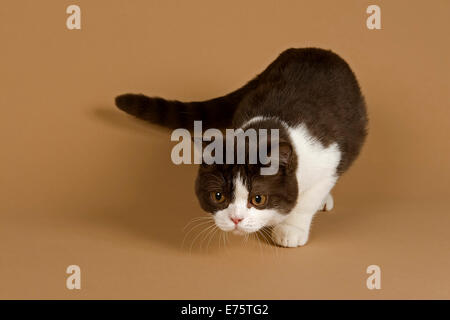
[(315, 162), (316, 175)]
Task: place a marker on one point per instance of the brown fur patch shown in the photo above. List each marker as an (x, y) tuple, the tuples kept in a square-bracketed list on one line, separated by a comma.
[(281, 189)]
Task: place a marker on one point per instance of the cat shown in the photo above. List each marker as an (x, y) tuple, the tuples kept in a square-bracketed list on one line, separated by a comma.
[(312, 96)]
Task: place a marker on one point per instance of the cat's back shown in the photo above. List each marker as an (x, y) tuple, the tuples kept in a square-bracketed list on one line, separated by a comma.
[(314, 88), (305, 81)]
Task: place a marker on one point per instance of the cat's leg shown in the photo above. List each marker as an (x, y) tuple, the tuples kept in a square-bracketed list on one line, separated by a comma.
[(328, 203), (294, 230)]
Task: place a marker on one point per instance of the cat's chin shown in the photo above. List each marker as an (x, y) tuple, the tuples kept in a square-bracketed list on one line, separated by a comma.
[(239, 232)]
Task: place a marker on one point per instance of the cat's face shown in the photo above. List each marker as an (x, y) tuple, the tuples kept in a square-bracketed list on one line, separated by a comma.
[(242, 200)]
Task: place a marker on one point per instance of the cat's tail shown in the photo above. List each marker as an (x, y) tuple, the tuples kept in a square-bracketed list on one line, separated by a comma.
[(214, 113)]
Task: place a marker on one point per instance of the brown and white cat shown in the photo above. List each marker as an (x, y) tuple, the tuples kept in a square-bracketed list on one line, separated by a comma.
[(313, 98)]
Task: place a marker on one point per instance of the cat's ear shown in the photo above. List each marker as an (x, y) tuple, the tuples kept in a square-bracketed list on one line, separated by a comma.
[(285, 153), (281, 150)]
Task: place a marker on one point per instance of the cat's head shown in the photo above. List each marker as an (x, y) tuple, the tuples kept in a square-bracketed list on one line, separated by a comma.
[(242, 200)]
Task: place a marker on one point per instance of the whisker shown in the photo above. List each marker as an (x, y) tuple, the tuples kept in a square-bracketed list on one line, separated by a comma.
[(199, 224), (211, 236), (246, 236), (225, 241), (196, 220), (220, 239), (263, 235), (259, 243), (198, 235), (205, 235), (192, 229), (269, 241)]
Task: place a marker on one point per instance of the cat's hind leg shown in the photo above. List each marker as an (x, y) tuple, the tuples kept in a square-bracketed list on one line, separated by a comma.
[(328, 203)]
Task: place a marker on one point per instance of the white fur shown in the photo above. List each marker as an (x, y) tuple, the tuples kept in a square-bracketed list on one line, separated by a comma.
[(316, 176), (252, 219), (328, 204)]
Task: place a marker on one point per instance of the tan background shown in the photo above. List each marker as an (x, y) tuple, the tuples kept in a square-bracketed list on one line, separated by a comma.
[(82, 183)]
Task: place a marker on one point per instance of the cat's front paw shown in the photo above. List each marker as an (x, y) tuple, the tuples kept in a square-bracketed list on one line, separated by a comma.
[(287, 235)]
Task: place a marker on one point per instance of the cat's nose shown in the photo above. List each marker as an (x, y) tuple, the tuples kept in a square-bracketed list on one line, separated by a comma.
[(236, 220)]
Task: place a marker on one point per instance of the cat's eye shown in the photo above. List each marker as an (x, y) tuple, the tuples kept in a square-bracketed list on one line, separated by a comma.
[(259, 200), (217, 197)]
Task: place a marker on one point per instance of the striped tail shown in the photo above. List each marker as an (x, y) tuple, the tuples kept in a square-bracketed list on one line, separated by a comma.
[(214, 113)]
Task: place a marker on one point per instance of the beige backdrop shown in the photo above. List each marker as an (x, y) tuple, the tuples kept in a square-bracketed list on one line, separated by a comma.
[(82, 183)]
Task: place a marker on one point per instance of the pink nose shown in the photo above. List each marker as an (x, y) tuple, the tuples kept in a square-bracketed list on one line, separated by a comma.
[(236, 220)]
